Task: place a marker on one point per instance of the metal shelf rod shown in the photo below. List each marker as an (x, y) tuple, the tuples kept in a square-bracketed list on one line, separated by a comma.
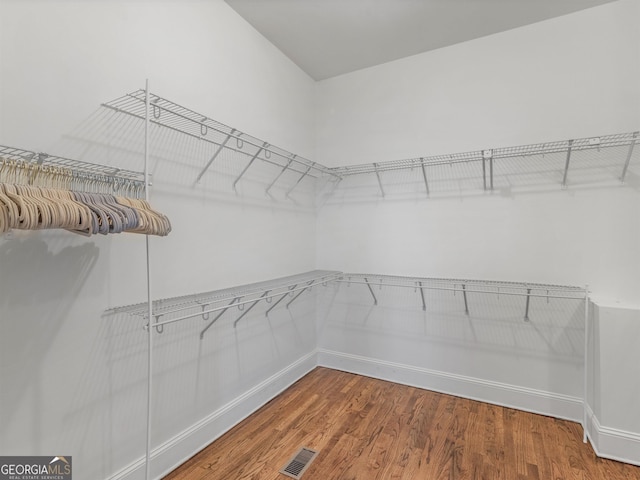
[(90, 170), (453, 289), (205, 299), (217, 309)]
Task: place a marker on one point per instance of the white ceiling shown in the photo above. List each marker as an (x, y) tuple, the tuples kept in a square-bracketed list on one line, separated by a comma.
[(331, 37)]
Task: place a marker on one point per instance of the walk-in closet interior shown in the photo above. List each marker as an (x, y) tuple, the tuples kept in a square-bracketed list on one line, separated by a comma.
[(191, 221)]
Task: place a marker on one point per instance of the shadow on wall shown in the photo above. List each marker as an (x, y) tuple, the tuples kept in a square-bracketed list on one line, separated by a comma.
[(106, 417), (177, 161), (37, 290), (495, 324), (194, 375)]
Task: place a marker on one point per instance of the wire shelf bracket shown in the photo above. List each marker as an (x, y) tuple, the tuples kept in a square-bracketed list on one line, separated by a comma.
[(628, 159), (217, 152), (566, 165), (255, 155)]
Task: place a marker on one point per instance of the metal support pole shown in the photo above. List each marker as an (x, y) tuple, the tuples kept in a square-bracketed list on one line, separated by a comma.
[(629, 153), (299, 180), (375, 166), (566, 165), (217, 317), (235, 182), (464, 294), (217, 152), (424, 305), (298, 294), (247, 310), (424, 175), (266, 314), (284, 169), (586, 364), (149, 297), (526, 310), (375, 300)]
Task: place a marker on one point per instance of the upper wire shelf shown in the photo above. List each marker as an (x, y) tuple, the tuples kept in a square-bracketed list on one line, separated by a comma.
[(564, 146), (575, 161), (77, 166), (176, 117)]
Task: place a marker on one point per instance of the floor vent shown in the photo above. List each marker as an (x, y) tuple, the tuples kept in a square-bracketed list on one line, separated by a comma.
[(299, 462)]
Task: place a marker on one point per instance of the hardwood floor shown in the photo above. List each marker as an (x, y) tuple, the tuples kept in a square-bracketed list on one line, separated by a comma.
[(369, 429)]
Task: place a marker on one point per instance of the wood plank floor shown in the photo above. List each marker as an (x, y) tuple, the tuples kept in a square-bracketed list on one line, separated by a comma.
[(369, 429)]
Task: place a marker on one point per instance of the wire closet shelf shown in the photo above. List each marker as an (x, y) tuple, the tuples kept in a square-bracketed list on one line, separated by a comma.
[(244, 297), (564, 146), (83, 172), (178, 118), (525, 156), (466, 286)]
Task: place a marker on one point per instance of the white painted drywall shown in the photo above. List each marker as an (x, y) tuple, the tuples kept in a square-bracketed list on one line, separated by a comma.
[(74, 379), (569, 77), (573, 76)]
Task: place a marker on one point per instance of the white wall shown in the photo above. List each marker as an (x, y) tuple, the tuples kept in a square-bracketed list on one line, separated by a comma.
[(73, 379), (570, 77)]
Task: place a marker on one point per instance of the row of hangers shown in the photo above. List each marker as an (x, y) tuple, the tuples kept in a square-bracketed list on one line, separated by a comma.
[(35, 196)]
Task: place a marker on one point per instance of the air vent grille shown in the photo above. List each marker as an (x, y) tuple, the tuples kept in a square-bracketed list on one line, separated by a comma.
[(299, 462)]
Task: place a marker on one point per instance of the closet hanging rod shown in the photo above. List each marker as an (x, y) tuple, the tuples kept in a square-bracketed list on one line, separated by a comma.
[(462, 290), (253, 300), (587, 143), (411, 281), (244, 292), (77, 166), (166, 306), (133, 104)]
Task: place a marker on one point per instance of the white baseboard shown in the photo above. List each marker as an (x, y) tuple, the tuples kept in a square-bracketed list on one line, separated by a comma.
[(521, 398), (613, 443), (174, 452)]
